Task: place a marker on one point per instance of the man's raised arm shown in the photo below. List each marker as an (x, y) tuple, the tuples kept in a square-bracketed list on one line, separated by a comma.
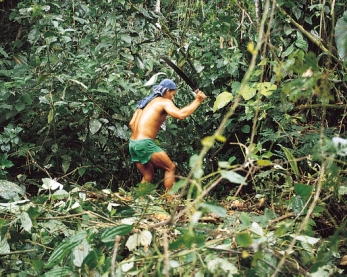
[(186, 111)]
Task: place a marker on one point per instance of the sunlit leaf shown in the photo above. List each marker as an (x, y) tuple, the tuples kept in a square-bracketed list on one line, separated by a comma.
[(9, 190), (50, 116), (80, 252), (177, 186), (222, 264), (145, 238), (307, 239), (248, 92), (233, 177), (110, 233), (4, 246), (153, 80), (256, 229), (264, 162), (244, 239), (26, 221), (222, 100), (341, 36), (94, 126), (216, 209), (133, 242), (297, 204), (266, 88), (51, 184), (208, 141)]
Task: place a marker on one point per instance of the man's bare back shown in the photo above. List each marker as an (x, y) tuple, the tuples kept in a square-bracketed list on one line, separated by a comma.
[(148, 121)]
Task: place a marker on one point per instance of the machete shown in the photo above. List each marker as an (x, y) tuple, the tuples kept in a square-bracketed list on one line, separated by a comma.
[(180, 73)]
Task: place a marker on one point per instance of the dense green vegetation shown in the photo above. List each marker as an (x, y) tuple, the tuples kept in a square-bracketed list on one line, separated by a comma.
[(262, 182)]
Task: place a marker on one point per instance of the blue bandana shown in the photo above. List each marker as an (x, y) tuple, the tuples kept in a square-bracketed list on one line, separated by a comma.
[(158, 90)]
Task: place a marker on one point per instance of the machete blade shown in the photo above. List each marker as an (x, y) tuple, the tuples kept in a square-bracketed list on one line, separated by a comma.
[(180, 73)]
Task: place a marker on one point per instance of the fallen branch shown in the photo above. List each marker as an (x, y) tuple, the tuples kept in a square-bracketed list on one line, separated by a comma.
[(19, 252)]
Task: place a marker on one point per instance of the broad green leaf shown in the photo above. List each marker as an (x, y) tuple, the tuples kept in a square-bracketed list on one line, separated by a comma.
[(126, 38), (110, 233), (127, 266), (198, 66), (244, 239), (307, 239), (288, 51), (222, 100), (94, 126), (59, 271), (304, 191), (297, 204), (145, 238), (177, 186), (26, 221), (222, 264), (51, 184), (60, 194), (64, 249), (216, 209), (301, 43), (341, 37), (92, 260), (245, 219), (246, 129), (343, 190), (256, 229), (80, 252), (248, 92), (133, 242), (143, 189), (233, 177), (9, 190), (4, 246), (266, 88)]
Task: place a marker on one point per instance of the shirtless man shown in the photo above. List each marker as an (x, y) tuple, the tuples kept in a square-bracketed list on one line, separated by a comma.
[(145, 124)]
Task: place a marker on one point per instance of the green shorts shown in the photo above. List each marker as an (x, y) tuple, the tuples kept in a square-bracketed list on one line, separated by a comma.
[(142, 150)]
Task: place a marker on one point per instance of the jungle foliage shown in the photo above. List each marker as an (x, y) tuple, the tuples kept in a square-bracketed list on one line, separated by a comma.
[(262, 184)]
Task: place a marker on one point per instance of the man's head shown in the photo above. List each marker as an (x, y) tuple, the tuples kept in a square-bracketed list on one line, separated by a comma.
[(164, 85), (167, 88)]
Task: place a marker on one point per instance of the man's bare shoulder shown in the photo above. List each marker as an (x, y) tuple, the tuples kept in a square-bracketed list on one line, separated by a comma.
[(161, 102)]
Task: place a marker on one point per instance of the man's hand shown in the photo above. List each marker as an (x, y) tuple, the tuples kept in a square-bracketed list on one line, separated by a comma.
[(200, 96)]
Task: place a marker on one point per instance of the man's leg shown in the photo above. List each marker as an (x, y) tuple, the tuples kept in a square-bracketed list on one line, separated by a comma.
[(147, 172), (162, 160)]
